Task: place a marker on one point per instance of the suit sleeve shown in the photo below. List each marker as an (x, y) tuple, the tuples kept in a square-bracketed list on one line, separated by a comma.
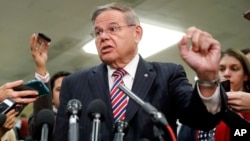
[(191, 109)]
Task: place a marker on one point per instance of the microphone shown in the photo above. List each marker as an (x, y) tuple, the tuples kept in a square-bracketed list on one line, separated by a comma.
[(45, 121), (2, 119), (157, 117), (97, 113), (121, 128), (74, 107)]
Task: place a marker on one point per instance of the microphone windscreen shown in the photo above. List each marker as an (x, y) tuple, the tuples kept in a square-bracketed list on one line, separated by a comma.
[(97, 106), (2, 119), (45, 116), (74, 107)]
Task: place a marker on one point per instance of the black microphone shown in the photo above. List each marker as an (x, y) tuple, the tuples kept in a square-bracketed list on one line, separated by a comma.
[(74, 107), (121, 128), (157, 116), (97, 113), (45, 121), (2, 119)]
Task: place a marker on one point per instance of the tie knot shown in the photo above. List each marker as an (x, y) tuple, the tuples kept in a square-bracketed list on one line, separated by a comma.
[(119, 72)]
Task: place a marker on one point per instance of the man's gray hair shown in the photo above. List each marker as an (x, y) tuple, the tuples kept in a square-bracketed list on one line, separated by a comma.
[(130, 16)]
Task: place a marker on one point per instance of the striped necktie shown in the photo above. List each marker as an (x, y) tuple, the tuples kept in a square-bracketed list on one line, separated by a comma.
[(119, 100)]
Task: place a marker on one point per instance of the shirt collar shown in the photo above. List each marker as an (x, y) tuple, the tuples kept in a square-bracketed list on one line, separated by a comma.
[(130, 67)]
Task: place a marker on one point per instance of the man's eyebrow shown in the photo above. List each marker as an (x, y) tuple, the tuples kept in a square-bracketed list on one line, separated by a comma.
[(112, 23)]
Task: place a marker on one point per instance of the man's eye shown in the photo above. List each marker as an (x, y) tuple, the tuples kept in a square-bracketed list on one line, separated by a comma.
[(113, 29), (98, 32)]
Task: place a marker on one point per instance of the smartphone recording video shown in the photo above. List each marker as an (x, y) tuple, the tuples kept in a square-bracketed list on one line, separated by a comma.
[(6, 105), (34, 85), (42, 38), (226, 85)]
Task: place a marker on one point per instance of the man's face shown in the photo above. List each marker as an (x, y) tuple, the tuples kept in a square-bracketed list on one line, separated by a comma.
[(56, 91), (117, 42)]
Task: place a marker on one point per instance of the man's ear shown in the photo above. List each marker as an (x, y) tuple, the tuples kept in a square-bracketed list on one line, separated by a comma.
[(138, 33)]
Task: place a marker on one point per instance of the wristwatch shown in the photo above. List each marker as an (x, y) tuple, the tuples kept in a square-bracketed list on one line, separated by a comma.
[(207, 83)]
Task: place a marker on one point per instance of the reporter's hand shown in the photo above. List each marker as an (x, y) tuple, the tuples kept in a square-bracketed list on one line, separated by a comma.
[(40, 54), (239, 101), (9, 123), (6, 91)]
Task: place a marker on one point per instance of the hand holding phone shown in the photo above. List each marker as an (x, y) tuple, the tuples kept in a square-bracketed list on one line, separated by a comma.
[(6, 105), (42, 38), (34, 85)]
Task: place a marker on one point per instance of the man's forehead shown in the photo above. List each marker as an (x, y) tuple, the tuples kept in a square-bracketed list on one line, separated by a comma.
[(109, 17)]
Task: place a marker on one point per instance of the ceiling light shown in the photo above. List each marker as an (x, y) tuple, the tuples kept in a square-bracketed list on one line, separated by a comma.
[(154, 40)]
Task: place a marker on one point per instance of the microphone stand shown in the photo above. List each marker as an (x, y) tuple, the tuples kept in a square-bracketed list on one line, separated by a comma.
[(73, 128), (73, 109), (44, 135), (96, 127), (121, 128)]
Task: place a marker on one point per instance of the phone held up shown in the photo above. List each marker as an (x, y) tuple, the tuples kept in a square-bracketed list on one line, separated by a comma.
[(34, 85), (42, 38), (226, 85), (6, 105)]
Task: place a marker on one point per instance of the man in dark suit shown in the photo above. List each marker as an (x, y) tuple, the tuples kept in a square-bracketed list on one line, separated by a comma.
[(117, 32)]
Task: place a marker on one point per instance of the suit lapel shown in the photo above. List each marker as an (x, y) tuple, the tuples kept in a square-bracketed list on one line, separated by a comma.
[(100, 88), (144, 78)]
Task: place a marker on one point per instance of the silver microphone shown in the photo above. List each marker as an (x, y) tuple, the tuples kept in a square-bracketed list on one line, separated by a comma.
[(157, 116), (74, 107)]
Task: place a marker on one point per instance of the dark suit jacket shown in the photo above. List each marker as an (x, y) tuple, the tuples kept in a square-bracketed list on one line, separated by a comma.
[(165, 86)]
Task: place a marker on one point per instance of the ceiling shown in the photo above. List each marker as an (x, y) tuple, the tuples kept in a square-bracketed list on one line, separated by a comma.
[(68, 25)]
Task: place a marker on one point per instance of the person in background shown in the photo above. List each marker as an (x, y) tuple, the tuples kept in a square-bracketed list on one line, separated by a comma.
[(24, 126), (241, 101), (235, 67), (55, 86), (246, 51), (40, 56), (117, 32)]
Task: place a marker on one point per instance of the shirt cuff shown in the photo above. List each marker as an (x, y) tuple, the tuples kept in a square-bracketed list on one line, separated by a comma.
[(44, 79), (213, 103)]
